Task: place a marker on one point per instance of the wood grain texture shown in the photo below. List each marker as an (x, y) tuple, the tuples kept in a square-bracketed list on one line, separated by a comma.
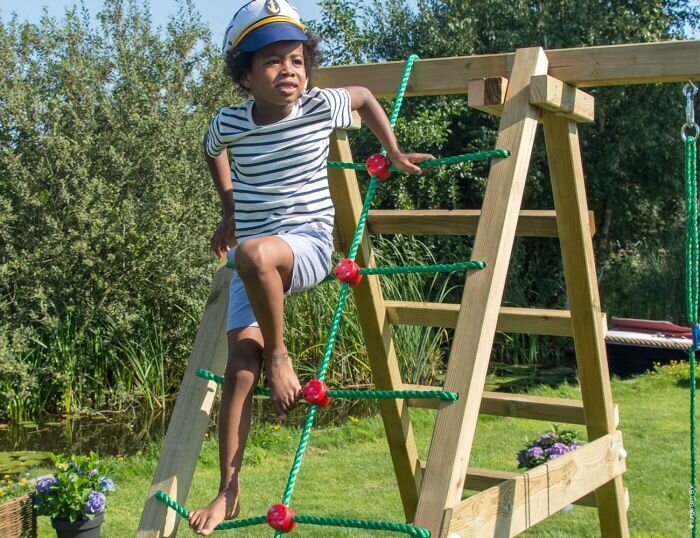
[(517, 504), (476, 324), (610, 65), (190, 417)]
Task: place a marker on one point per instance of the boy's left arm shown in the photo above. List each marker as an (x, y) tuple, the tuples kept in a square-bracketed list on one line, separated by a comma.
[(372, 113)]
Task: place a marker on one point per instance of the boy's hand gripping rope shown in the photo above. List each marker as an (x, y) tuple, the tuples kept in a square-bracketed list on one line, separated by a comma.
[(690, 133)]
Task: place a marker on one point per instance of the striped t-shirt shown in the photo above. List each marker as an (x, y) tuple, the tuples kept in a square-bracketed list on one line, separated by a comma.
[(279, 173)]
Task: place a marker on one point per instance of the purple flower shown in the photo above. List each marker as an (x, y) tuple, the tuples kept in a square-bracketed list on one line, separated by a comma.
[(107, 484), (93, 472), (556, 450), (546, 440), (44, 483), (522, 458), (95, 503), (534, 452)]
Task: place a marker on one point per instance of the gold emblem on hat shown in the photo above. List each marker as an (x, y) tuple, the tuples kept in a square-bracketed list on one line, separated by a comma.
[(272, 7)]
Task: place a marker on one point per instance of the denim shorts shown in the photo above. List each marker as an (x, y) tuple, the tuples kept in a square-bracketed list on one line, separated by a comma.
[(312, 248)]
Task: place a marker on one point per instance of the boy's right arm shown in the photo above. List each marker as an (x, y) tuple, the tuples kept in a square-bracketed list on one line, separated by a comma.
[(224, 237)]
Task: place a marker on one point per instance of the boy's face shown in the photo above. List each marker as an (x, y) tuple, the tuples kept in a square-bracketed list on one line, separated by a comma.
[(278, 74)]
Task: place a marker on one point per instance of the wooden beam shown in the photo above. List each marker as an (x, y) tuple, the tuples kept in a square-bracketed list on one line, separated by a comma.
[(531, 223), (566, 171), (190, 418), (610, 65), (488, 94), (479, 479), (517, 504), (455, 425), (504, 404), (510, 320), (376, 330), (555, 96)]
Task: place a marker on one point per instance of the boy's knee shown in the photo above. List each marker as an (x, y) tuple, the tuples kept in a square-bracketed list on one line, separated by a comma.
[(239, 375), (252, 257)]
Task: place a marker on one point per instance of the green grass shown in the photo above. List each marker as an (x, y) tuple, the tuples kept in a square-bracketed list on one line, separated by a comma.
[(347, 470)]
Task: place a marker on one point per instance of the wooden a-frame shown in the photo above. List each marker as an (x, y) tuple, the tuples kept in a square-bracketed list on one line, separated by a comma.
[(526, 88)]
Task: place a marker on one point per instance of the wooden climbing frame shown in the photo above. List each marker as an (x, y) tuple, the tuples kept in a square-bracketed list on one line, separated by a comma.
[(526, 88)]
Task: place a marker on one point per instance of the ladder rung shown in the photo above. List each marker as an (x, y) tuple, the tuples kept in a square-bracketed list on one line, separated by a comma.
[(479, 479), (532, 223), (518, 405), (510, 320)]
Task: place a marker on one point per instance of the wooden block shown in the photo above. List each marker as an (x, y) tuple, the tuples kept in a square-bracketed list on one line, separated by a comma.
[(510, 320), (488, 94), (356, 121), (526, 499), (531, 223), (551, 94)]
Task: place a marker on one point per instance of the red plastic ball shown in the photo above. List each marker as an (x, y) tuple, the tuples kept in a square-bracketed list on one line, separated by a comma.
[(316, 392), (280, 517), (378, 165), (348, 271)]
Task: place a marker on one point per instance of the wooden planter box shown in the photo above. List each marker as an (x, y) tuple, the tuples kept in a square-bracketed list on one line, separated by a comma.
[(18, 518)]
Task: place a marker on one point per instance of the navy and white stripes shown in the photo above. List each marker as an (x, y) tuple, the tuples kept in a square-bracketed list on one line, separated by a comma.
[(279, 170)]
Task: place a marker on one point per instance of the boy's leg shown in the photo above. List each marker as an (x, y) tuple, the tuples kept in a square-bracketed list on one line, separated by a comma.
[(265, 266), (241, 378)]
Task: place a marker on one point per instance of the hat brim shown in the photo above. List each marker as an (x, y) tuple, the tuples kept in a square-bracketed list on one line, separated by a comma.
[(271, 33)]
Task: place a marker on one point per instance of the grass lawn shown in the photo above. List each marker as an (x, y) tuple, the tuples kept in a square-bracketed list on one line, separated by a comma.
[(347, 471)]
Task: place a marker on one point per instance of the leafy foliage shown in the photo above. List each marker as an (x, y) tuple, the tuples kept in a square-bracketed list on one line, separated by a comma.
[(106, 205)]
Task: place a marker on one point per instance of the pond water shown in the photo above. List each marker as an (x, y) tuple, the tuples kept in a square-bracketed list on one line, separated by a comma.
[(127, 433)]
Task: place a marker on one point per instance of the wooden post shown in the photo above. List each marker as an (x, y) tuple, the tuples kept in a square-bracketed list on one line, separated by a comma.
[(376, 329), (566, 170), (190, 417), (450, 450)]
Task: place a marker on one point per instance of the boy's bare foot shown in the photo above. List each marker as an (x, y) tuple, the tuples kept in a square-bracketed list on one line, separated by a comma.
[(285, 390), (224, 506)]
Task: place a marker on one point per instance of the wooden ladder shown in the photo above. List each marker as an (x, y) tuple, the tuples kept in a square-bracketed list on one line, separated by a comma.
[(511, 502)]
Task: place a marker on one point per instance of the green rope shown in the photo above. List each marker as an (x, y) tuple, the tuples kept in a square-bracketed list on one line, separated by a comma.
[(347, 394), (237, 524), (692, 284), (439, 268), (363, 524), (443, 161), (306, 432)]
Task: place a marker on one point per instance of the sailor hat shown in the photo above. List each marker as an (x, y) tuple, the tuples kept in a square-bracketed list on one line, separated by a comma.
[(261, 22)]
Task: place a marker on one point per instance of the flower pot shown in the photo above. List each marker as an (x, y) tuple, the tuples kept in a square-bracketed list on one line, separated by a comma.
[(78, 529)]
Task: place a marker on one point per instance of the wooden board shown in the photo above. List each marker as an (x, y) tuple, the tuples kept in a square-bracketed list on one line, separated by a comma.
[(610, 65), (375, 327), (566, 171), (519, 503), (190, 417), (476, 324), (510, 319), (531, 223), (504, 404)]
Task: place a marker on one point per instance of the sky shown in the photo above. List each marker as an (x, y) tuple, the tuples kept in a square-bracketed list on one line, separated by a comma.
[(215, 13)]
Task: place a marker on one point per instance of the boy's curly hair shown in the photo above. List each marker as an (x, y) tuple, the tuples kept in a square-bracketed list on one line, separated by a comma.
[(238, 62)]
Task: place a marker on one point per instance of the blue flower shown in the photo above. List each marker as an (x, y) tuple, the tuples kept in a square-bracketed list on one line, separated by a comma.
[(95, 503), (44, 483), (107, 484)]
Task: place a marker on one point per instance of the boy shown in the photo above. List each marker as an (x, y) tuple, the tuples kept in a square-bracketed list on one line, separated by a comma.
[(282, 218)]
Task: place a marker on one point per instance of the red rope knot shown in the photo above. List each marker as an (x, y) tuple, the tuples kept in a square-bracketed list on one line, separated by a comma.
[(378, 165), (316, 392), (280, 517), (348, 271)]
